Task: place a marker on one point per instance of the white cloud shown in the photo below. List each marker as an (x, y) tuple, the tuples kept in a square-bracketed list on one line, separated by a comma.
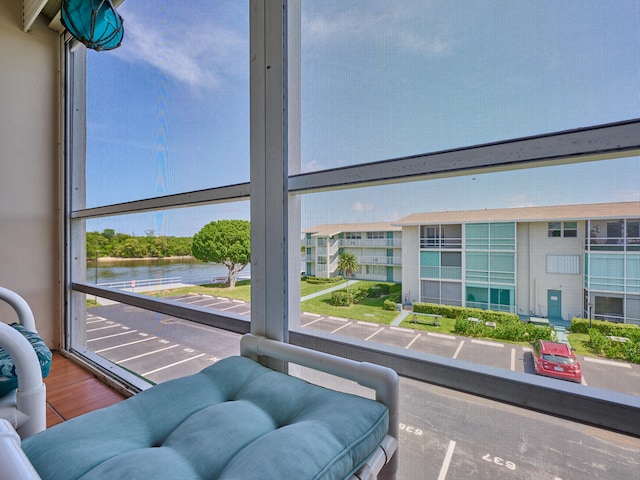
[(358, 206), (312, 166), (519, 201), (627, 196), (411, 26), (198, 54)]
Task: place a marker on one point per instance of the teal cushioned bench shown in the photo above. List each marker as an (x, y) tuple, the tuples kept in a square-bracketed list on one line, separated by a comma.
[(234, 420)]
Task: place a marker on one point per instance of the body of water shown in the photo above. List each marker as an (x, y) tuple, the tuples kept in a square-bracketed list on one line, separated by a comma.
[(184, 271)]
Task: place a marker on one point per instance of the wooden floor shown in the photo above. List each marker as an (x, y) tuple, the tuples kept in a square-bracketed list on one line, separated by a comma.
[(72, 391)]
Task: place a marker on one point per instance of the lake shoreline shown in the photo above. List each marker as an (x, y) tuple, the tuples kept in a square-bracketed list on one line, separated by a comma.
[(187, 258)]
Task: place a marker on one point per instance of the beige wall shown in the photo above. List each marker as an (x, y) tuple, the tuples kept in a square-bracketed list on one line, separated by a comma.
[(411, 263), (540, 281), (29, 190)]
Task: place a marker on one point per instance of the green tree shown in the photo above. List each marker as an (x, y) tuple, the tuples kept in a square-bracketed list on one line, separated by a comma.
[(226, 242), (348, 264)]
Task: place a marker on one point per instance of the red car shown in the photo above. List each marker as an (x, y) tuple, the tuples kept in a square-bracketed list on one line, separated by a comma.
[(556, 360)]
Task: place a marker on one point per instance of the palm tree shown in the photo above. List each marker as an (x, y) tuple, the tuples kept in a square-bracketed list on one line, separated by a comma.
[(348, 264)]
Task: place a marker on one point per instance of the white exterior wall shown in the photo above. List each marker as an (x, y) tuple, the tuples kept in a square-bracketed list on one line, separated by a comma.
[(540, 281), (411, 263), (29, 180)]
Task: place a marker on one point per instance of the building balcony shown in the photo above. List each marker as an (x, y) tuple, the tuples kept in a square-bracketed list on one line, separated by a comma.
[(448, 273)]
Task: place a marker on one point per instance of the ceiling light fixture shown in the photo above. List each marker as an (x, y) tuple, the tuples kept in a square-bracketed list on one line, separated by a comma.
[(95, 23)]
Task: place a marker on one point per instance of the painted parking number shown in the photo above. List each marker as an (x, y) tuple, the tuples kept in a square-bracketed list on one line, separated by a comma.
[(410, 429), (499, 461)]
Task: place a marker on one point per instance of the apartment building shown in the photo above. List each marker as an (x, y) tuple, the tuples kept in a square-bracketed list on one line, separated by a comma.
[(378, 247), (557, 262)]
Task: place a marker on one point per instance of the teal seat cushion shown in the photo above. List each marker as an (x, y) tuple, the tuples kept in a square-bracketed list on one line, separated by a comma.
[(8, 377), (234, 420)]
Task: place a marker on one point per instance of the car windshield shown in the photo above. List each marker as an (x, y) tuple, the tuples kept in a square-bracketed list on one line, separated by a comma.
[(559, 359)]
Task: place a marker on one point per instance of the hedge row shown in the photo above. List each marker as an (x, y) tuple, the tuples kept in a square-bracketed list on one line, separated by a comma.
[(631, 331), (451, 311), (318, 280), (599, 343), (508, 329)]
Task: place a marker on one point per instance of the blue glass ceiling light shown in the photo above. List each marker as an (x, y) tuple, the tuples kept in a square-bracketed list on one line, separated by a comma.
[(96, 23)]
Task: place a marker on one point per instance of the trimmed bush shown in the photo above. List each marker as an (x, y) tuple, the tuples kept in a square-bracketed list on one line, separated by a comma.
[(389, 305), (601, 345), (341, 298), (319, 280), (631, 331), (451, 311)]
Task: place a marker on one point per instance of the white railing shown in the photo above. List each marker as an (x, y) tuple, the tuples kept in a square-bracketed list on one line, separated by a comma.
[(380, 260), (378, 242)]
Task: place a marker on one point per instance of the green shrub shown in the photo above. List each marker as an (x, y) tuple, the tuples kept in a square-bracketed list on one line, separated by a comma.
[(389, 305), (451, 311), (631, 331), (320, 280), (508, 329), (601, 345), (341, 298)]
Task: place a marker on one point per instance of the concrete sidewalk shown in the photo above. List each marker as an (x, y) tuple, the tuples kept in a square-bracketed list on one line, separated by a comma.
[(329, 290)]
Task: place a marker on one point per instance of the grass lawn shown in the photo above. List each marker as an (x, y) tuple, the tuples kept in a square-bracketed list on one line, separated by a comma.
[(578, 341), (424, 322), (368, 310), (309, 288), (242, 291)]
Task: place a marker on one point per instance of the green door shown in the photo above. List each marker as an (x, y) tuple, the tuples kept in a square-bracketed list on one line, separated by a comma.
[(554, 304), (389, 274)]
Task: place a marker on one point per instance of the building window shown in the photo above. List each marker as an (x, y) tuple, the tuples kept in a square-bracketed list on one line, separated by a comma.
[(569, 264), (555, 229), (563, 229), (570, 229)]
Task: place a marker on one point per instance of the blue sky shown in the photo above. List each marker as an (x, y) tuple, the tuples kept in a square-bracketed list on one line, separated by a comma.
[(379, 80)]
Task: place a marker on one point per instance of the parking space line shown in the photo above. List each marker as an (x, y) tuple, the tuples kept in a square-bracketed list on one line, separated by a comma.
[(96, 320), (606, 362), (367, 324), (123, 345), (488, 344), (447, 460), (111, 336), (513, 359), (312, 322), (148, 353), (401, 329), (373, 334), (172, 364), (228, 308), (455, 355), (214, 303), (441, 335), (340, 319), (413, 341), (312, 314), (104, 328), (340, 328)]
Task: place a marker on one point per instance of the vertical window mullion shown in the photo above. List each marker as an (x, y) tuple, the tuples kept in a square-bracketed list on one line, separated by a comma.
[(269, 195)]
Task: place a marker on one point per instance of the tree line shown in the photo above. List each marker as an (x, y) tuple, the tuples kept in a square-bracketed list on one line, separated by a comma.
[(226, 241), (110, 243)]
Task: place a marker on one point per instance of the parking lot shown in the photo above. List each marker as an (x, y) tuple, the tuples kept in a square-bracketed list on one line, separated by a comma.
[(190, 353), (445, 435)]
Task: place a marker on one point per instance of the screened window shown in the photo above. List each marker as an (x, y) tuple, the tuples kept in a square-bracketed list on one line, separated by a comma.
[(392, 109)]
